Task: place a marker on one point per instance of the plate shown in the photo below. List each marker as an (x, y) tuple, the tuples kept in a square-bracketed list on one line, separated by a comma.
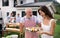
[(32, 29)]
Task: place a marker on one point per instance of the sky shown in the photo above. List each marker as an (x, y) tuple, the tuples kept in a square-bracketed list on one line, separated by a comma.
[(58, 1)]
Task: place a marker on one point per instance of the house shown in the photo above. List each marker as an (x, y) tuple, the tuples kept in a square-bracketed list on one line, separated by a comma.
[(18, 6)]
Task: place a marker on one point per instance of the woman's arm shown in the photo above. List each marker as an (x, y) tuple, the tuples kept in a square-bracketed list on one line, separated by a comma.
[(51, 33)]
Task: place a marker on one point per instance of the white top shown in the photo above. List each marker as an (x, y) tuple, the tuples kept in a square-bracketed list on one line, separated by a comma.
[(33, 17), (46, 28), (12, 19), (18, 19)]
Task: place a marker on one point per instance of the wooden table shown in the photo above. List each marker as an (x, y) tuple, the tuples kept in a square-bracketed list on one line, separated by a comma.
[(13, 24)]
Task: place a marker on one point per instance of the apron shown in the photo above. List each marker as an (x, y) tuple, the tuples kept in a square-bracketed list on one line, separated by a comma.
[(30, 23)]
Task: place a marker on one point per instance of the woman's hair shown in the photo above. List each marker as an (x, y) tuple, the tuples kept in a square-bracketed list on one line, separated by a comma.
[(46, 11)]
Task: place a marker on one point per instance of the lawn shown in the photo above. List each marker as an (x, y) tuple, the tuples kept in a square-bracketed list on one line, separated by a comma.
[(57, 28), (56, 16)]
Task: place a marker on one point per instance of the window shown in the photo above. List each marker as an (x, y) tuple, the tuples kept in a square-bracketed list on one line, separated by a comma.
[(15, 2), (36, 0), (21, 2), (7, 13), (34, 13), (5, 2), (23, 13)]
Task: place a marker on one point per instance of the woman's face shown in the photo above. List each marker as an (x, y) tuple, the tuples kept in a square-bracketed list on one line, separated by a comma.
[(42, 13)]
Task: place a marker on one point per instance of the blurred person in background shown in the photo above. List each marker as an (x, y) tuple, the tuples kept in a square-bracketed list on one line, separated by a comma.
[(18, 18)]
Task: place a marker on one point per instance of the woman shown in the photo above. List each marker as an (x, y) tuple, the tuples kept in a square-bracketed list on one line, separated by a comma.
[(48, 24)]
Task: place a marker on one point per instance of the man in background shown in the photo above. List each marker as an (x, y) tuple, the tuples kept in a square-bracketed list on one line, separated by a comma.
[(18, 18)]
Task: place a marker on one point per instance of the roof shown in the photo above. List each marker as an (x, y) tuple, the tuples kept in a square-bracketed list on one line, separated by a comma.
[(37, 4)]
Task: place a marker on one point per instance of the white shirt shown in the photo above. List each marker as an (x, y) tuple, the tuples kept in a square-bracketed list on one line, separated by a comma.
[(12, 19), (46, 28), (18, 19)]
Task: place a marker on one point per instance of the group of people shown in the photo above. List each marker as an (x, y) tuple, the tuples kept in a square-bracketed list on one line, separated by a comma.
[(47, 25), (13, 19)]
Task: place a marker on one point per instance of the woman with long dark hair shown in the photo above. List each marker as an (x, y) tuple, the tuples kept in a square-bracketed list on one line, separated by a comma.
[(48, 24)]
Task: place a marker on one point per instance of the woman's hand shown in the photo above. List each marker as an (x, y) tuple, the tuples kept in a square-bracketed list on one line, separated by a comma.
[(40, 32)]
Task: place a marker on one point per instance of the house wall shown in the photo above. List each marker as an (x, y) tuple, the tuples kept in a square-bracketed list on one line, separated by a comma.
[(24, 1), (19, 10), (29, 1), (6, 9), (10, 8)]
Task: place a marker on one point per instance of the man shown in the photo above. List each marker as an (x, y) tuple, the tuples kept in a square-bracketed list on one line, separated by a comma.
[(18, 18), (29, 20)]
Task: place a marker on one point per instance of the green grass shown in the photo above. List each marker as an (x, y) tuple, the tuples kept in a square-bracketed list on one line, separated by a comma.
[(57, 28), (56, 16), (57, 9)]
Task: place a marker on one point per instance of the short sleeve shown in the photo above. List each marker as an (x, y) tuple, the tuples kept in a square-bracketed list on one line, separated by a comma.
[(22, 20), (53, 20)]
